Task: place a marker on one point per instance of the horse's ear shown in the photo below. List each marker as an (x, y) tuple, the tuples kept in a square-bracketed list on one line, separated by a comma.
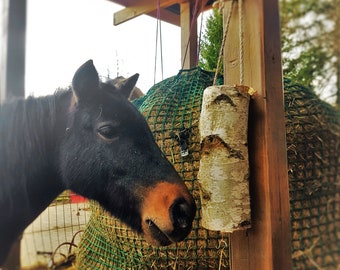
[(85, 80), (126, 86)]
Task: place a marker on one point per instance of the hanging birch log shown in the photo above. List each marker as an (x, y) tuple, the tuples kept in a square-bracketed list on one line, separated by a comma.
[(224, 167)]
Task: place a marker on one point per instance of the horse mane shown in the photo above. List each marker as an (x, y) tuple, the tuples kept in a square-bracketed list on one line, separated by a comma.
[(26, 136)]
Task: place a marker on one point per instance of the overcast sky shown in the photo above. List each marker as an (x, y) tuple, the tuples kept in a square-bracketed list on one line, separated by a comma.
[(63, 34)]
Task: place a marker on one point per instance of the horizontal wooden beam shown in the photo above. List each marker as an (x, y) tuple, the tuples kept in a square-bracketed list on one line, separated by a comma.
[(166, 16), (142, 7)]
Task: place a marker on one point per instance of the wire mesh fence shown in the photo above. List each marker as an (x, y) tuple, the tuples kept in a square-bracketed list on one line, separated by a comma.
[(53, 236)]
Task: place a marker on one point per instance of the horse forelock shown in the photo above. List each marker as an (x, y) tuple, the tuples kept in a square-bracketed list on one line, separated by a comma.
[(110, 89)]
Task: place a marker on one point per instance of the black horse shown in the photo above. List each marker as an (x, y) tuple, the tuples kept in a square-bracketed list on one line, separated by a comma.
[(91, 140)]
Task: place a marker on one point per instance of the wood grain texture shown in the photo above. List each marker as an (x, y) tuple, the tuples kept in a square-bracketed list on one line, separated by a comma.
[(267, 244)]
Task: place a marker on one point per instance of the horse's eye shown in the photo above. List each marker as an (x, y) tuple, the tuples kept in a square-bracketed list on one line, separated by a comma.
[(108, 132)]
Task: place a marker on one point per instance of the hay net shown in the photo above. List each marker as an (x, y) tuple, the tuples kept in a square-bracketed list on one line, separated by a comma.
[(313, 149), (172, 109)]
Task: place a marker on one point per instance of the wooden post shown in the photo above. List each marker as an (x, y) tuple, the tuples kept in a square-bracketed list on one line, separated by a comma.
[(267, 245), (12, 72), (188, 34)]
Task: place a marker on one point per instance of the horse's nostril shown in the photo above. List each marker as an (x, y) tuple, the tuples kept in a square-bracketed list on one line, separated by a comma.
[(181, 214), (167, 212)]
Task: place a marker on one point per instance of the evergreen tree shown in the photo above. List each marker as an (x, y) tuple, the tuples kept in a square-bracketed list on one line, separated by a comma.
[(211, 42), (310, 44)]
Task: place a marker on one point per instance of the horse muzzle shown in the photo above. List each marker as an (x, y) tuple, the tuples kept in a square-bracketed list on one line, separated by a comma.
[(167, 213)]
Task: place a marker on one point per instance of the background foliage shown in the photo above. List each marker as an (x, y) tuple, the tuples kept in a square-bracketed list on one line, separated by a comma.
[(310, 44)]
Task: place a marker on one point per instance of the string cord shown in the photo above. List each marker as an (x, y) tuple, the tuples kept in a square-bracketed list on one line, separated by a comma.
[(241, 41), (200, 36), (240, 32), (223, 42), (158, 31)]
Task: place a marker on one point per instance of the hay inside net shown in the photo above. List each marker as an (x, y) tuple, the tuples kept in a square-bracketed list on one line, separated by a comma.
[(313, 146), (313, 149)]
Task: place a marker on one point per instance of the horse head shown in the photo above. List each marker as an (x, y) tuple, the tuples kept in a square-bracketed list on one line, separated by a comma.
[(109, 155)]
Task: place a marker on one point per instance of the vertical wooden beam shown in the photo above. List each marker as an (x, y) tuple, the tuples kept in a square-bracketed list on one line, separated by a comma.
[(188, 35), (267, 244), (12, 82)]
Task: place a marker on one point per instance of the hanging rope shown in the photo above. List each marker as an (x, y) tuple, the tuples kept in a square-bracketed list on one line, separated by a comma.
[(240, 32), (223, 42), (241, 40), (200, 34), (158, 31)]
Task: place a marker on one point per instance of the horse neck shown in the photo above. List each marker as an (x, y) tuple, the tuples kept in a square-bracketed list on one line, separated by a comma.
[(29, 139)]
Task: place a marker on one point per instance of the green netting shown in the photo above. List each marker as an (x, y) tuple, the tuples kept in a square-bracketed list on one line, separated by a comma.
[(313, 133), (170, 107), (313, 149)]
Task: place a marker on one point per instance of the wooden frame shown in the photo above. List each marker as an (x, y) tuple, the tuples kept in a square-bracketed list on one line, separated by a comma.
[(144, 7), (185, 20)]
